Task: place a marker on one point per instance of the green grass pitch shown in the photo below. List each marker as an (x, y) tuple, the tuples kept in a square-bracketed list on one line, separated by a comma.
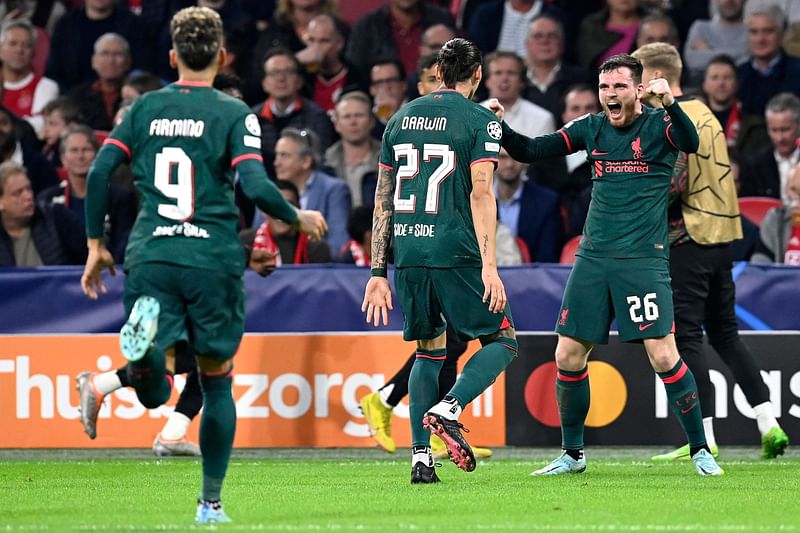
[(367, 490)]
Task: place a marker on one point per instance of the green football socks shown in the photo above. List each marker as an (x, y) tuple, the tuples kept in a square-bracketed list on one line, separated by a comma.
[(217, 428), (683, 400), (573, 395), (150, 378), (483, 368), (423, 391)]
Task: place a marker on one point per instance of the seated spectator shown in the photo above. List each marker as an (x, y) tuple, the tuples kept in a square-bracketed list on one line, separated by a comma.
[(387, 86), (285, 107), (745, 132), (529, 210), (357, 250), (769, 70), (58, 114), (657, 28), (503, 24), (393, 30), (328, 74), (724, 34), (41, 173), (30, 237), (608, 32), (282, 241), (780, 225), (431, 42), (75, 35), (99, 100), (354, 157), (24, 92), (296, 161), (428, 79), (766, 173), (548, 74), (79, 147), (138, 84)]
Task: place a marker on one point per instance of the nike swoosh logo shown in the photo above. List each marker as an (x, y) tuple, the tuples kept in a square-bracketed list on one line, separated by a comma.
[(598, 152), (643, 327), (684, 411)]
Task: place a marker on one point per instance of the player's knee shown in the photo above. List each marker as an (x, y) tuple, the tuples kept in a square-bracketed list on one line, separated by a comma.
[(153, 398), (505, 338)]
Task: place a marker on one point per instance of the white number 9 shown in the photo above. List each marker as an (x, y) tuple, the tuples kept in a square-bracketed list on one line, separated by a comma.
[(182, 190)]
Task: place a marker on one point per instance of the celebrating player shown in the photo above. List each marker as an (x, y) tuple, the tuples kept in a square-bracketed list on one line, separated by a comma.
[(435, 200), (184, 260)]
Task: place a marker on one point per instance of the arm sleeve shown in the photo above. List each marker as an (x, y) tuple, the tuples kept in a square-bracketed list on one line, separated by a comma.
[(680, 131), (528, 150), (108, 159), (259, 188)]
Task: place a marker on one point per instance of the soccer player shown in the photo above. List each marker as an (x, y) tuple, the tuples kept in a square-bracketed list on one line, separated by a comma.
[(704, 220), (622, 265), (435, 200), (184, 261)]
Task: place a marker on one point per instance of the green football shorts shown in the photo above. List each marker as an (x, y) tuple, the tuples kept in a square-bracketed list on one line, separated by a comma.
[(433, 297), (637, 292), (202, 307)]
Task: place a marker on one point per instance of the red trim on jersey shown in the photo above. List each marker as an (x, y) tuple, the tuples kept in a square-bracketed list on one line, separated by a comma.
[(384, 165), (242, 157), (677, 375), (189, 83), (669, 137), (506, 323), (433, 357), (566, 140), (119, 144), (564, 377), (481, 160)]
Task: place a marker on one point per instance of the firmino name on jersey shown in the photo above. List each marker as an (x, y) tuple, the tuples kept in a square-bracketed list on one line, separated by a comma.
[(183, 127), (424, 123)]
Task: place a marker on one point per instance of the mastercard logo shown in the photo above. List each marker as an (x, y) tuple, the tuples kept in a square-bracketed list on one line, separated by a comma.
[(609, 394)]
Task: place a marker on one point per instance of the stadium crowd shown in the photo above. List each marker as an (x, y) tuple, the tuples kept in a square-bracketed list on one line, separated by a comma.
[(325, 77)]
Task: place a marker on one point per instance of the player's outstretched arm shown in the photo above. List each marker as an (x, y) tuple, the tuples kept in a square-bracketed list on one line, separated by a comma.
[(532, 149), (484, 218), (378, 295)]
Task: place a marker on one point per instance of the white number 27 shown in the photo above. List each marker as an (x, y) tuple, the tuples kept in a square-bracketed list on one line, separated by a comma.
[(410, 169), (182, 189)]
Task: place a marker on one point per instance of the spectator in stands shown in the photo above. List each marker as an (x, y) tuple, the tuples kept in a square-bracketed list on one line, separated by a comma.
[(24, 93), (288, 24), (530, 211), (745, 132), (39, 170), (428, 79), (296, 161), (43, 19), (29, 237), (432, 41), (357, 250), (657, 28), (79, 147), (503, 24), (99, 100), (776, 228), (608, 32), (136, 85), (769, 70), (329, 76), (549, 75), (393, 30), (282, 80), (766, 173), (289, 246), (726, 33), (504, 76), (58, 114), (354, 157), (387, 86), (73, 43)]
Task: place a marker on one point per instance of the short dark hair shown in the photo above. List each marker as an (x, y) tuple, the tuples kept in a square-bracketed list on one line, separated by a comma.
[(281, 51), (69, 110), (427, 61), (285, 185), (143, 82), (458, 60), (623, 61), (196, 36), (224, 82), (359, 222), (722, 59), (401, 69), (506, 54)]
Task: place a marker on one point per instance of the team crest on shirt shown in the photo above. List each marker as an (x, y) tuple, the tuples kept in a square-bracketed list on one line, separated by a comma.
[(495, 130), (636, 146), (253, 125)]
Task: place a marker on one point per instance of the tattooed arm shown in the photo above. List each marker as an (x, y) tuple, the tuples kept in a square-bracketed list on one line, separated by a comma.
[(484, 219), (378, 295)]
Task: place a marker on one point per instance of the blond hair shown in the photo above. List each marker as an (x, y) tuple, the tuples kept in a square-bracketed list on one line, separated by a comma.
[(663, 57)]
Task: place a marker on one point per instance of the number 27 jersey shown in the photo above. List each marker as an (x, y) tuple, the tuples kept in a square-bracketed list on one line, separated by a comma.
[(183, 141), (429, 146)]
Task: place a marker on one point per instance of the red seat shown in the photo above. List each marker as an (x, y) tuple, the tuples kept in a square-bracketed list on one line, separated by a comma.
[(756, 207), (569, 249), (524, 252)]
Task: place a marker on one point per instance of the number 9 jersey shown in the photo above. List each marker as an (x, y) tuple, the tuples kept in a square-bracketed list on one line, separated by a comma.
[(430, 146), (184, 142)]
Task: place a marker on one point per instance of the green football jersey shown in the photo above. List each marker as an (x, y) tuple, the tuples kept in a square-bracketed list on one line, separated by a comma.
[(183, 142), (430, 146)]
